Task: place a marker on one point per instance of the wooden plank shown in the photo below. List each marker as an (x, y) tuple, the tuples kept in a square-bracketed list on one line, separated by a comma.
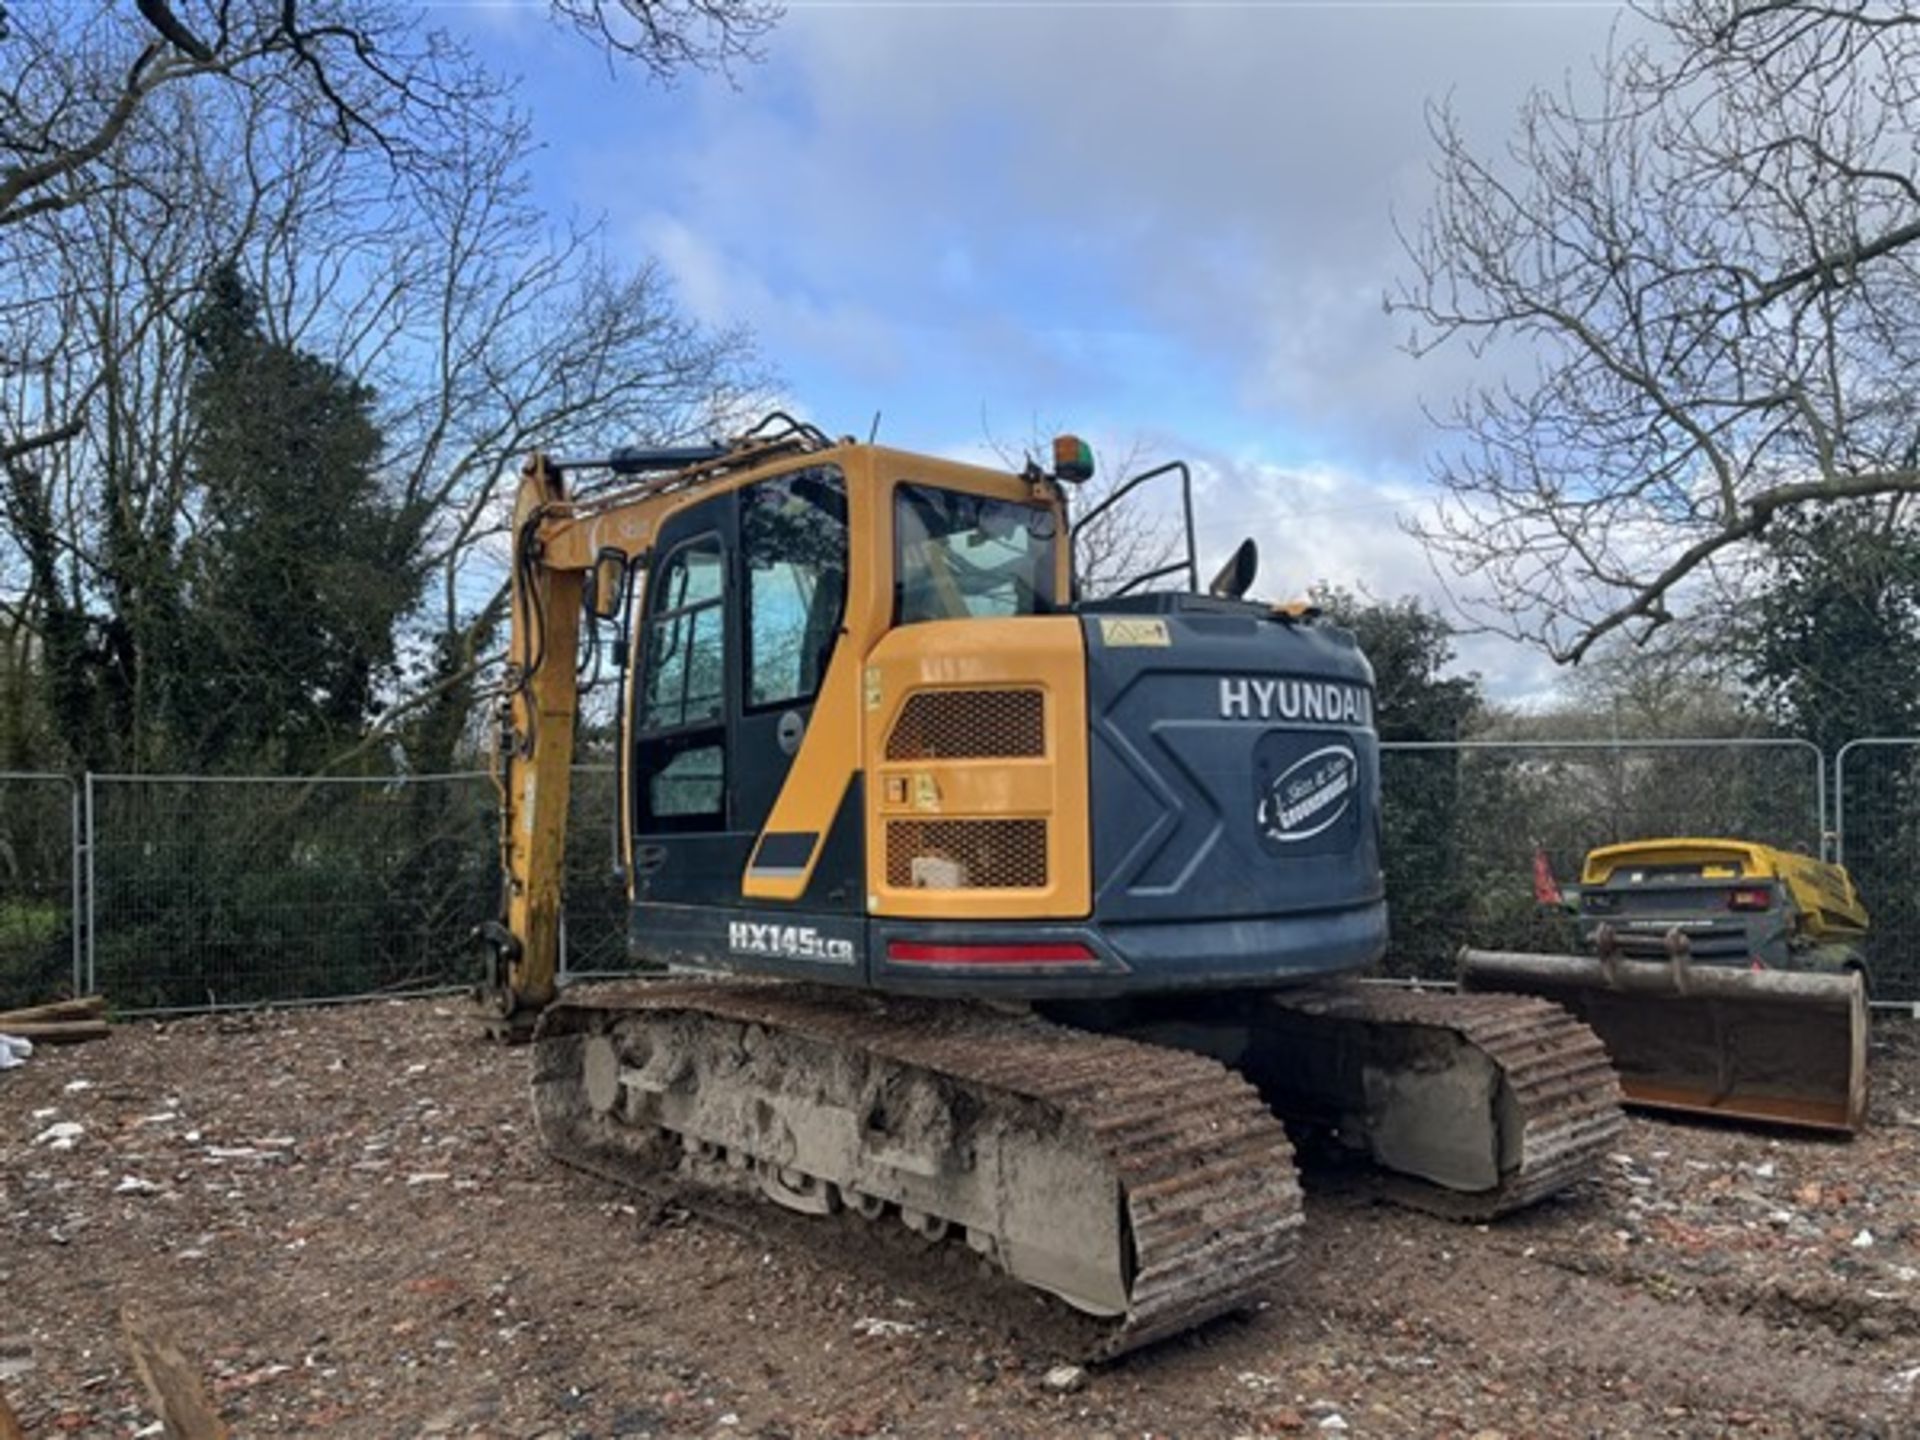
[(172, 1381), (87, 1007), (58, 1032)]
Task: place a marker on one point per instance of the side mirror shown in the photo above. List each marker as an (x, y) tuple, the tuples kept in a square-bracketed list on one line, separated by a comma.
[(1236, 576), (606, 585)]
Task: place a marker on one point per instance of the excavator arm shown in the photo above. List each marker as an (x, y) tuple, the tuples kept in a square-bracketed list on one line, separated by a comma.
[(572, 556), (533, 757)]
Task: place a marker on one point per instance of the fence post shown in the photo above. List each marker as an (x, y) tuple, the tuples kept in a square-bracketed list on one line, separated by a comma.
[(1840, 802), (73, 883), (93, 974)]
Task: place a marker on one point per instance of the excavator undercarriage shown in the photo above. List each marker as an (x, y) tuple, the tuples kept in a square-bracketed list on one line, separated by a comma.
[(1146, 1184)]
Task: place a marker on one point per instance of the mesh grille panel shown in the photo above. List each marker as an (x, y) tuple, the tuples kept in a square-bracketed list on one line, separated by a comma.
[(967, 854), (969, 725)]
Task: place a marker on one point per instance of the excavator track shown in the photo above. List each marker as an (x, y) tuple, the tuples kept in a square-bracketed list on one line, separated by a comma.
[(1472, 1106), (1151, 1188)]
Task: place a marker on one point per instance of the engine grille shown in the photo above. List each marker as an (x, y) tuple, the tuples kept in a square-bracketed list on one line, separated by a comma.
[(967, 854), (970, 725)]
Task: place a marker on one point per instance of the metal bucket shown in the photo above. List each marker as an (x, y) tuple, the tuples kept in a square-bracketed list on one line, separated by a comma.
[(1777, 1046)]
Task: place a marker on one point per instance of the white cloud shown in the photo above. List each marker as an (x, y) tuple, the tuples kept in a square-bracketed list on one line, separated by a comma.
[(1173, 222), (1038, 205)]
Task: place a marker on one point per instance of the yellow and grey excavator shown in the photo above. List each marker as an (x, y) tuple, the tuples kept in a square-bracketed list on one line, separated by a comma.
[(1726, 978), (1011, 916)]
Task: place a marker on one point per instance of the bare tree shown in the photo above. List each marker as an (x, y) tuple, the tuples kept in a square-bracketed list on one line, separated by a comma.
[(1694, 282), (483, 329), (364, 61), (84, 81)]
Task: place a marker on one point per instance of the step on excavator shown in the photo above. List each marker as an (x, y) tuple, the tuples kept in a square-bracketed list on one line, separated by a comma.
[(1013, 916), (1727, 978)]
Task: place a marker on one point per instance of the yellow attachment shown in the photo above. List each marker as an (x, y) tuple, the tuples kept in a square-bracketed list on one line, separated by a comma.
[(1823, 893)]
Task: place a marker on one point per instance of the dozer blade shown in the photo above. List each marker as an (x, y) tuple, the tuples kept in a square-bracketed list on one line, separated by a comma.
[(1150, 1189), (1776, 1046)]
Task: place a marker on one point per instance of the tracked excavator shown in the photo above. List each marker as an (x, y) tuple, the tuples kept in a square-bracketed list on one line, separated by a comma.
[(1015, 917)]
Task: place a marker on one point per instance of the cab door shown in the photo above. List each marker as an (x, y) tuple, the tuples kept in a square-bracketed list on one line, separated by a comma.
[(689, 846), (743, 608), (793, 590)]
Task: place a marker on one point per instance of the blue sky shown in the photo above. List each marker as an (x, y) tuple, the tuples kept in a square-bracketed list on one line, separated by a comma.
[(1167, 227)]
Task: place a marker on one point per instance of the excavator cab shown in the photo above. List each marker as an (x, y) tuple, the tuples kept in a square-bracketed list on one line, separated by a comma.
[(871, 738)]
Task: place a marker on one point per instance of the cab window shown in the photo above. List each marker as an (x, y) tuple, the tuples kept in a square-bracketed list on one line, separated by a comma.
[(680, 764), (958, 555), (686, 640), (793, 534)]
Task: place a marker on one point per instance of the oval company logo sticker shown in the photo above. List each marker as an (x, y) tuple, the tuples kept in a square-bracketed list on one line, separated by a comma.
[(1310, 795)]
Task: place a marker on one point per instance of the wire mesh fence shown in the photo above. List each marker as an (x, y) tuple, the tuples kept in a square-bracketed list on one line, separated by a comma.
[(207, 892), (1462, 822), (1877, 824), (190, 892), (594, 930), (39, 880)]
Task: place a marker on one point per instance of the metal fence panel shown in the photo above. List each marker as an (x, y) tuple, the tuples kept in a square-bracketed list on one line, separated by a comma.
[(595, 926), (220, 891), (39, 887), (1462, 822), (209, 891), (1877, 808)]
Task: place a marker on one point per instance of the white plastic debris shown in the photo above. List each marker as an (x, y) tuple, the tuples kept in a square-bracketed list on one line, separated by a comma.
[(74, 1087), (14, 1050), (61, 1135), (1863, 1241), (1066, 1378), (876, 1329), (134, 1185)]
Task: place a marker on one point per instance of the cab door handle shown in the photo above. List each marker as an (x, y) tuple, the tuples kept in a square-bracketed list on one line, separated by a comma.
[(649, 858)]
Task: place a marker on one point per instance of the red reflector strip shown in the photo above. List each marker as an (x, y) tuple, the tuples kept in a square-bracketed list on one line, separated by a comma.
[(1750, 899), (914, 952)]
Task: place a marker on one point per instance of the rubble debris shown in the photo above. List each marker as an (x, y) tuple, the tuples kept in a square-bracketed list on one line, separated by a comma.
[(360, 1304), (61, 1135)]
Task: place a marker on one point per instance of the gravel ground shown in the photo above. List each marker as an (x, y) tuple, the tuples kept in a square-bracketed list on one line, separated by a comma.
[(343, 1217)]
